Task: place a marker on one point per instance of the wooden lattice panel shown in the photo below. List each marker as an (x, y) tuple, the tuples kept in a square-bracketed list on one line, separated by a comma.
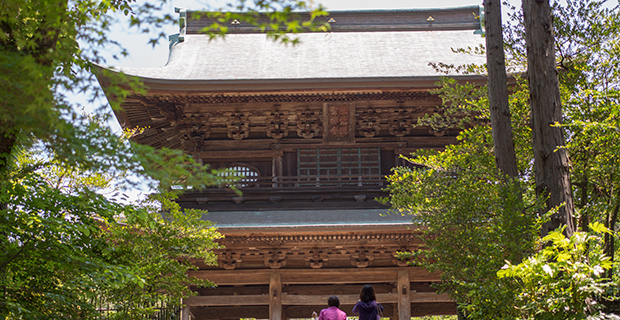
[(338, 166)]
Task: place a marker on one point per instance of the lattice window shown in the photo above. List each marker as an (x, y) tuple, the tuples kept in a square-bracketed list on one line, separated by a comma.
[(247, 175), (341, 166)]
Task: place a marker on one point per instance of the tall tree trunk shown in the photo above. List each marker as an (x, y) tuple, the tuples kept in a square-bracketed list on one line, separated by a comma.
[(503, 142), (551, 163)]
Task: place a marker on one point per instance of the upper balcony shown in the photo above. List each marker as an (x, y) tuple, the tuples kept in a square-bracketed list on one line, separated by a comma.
[(291, 192)]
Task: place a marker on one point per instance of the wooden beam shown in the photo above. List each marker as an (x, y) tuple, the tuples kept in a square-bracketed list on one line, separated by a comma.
[(237, 312), (426, 297), (404, 295), (224, 300), (315, 276), (233, 277), (337, 289), (293, 147), (433, 309), (275, 296), (306, 300), (252, 154)]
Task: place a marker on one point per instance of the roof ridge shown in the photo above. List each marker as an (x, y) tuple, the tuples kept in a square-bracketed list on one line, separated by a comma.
[(371, 20)]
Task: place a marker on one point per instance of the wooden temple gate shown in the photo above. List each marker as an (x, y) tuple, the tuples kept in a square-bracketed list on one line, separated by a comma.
[(313, 129), (295, 279)]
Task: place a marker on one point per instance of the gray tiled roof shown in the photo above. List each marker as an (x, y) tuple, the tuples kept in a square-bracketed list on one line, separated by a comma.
[(300, 218), (319, 56)]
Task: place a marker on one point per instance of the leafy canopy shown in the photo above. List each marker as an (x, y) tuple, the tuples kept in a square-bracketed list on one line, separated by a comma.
[(475, 222), (68, 249)]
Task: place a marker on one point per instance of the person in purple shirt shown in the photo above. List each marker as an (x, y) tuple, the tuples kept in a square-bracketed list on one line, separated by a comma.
[(367, 307), (333, 312)]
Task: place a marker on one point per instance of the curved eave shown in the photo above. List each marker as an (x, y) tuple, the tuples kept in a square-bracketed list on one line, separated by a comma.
[(271, 86)]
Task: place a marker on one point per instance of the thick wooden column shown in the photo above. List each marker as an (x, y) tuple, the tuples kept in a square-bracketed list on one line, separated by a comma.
[(275, 297), (404, 296), (185, 313), (276, 170)]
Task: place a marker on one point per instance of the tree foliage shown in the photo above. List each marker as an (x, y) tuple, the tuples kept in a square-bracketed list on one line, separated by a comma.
[(458, 197), (473, 221), (65, 245), (564, 279)]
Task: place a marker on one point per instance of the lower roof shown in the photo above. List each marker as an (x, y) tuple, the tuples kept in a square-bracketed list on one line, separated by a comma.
[(307, 218)]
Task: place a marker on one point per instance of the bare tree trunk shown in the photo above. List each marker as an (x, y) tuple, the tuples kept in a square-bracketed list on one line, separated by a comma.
[(551, 161), (503, 142)]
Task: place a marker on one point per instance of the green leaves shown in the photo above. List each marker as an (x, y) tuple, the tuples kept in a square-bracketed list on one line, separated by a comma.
[(66, 245), (562, 280), (598, 227), (473, 221), (461, 200)]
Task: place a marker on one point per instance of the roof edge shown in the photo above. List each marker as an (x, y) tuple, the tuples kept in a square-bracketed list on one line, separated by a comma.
[(306, 84)]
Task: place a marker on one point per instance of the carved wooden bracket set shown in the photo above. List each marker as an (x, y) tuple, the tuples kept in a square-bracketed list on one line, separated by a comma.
[(316, 252), (307, 123)]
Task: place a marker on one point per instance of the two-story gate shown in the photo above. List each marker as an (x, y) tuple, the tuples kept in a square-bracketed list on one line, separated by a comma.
[(314, 129)]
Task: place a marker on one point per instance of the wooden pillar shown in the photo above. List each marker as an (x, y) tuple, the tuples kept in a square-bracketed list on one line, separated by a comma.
[(275, 297), (185, 313), (404, 296), (395, 315), (276, 170)]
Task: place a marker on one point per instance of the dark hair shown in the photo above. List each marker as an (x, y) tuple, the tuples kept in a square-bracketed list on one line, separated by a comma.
[(367, 293), (333, 301)]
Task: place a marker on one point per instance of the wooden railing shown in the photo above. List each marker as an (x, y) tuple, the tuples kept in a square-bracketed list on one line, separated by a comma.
[(158, 311), (311, 182)]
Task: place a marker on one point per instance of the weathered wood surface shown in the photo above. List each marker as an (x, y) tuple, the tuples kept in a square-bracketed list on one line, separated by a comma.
[(275, 296), (313, 290), (249, 154), (404, 295), (224, 300), (311, 300), (185, 313), (314, 276), (551, 161)]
